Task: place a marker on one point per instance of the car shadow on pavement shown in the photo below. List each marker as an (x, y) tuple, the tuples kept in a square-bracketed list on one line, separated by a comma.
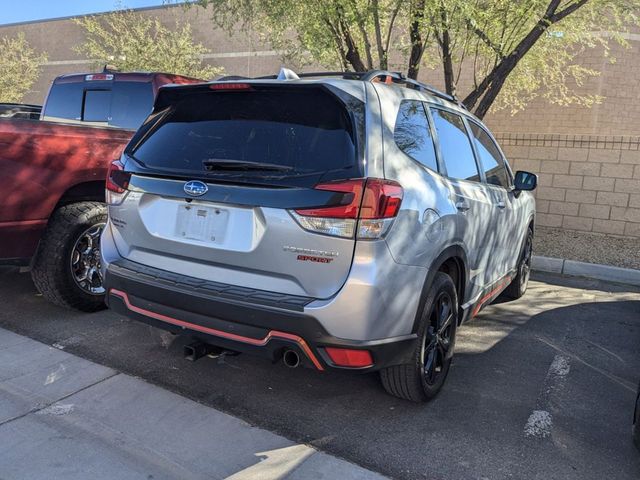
[(542, 387)]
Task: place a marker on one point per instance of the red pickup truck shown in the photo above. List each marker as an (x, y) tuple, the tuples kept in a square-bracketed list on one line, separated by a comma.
[(53, 171)]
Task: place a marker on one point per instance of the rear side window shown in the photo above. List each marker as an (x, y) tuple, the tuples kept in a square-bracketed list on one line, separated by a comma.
[(412, 134), (96, 106), (490, 157), (455, 145), (307, 133)]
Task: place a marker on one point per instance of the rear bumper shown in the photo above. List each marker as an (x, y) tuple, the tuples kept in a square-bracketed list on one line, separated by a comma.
[(249, 321)]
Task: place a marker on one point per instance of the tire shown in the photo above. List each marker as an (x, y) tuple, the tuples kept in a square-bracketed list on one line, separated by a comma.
[(72, 228), (518, 286), (422, 379)]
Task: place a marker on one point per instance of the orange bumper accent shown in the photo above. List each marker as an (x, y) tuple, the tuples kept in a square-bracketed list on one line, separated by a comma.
[(259, 342)]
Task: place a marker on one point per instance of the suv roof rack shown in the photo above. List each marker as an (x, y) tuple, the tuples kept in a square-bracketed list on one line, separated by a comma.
[(384, 76), (399, 77)]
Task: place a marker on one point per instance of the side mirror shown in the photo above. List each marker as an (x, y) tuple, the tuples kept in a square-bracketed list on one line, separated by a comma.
[(525, 181)]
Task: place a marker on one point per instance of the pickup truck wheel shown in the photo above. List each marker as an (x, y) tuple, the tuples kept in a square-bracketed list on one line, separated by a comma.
[(66, 269), (518, 286), (422, 379)]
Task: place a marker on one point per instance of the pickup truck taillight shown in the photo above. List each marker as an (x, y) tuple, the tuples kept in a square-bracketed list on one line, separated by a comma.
[(117, 183), (372, 207)]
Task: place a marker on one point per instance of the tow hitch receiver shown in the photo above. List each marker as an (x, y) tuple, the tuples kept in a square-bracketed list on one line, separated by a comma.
[(196, 350)]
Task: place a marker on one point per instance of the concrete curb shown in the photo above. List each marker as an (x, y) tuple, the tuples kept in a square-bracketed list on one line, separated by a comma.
[(590, 270)]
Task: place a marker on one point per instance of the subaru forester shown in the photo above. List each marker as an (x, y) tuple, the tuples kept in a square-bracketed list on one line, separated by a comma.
[(337, 221)]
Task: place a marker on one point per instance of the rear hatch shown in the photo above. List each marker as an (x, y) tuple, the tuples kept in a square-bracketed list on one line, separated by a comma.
[(218, 172)]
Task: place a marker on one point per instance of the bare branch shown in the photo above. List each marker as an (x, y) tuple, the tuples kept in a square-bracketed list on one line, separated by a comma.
[(567, 11), (485, 38)]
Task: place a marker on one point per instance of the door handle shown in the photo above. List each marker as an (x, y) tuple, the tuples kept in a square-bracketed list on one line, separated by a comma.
[(501, 205), (463, 206)]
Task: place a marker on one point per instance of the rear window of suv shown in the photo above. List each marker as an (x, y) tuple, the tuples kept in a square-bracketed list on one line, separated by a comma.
[(306, 131)]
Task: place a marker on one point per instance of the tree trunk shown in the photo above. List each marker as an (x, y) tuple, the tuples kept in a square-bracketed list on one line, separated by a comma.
[(492, 84), (352, 55), (382, 55), (504, 68), (447, 61), (417, 46)]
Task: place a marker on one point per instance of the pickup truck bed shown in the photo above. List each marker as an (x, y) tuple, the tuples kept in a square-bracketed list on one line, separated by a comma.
[(44, 165), (53, 170)]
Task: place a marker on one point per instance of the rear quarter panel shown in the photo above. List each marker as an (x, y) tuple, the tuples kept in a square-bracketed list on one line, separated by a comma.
[(39, 162), (426, 223)]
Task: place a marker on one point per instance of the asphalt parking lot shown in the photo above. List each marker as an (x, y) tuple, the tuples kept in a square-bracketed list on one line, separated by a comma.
[(540, 388)]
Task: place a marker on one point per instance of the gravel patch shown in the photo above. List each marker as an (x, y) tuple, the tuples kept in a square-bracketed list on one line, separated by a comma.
[(588, 247)]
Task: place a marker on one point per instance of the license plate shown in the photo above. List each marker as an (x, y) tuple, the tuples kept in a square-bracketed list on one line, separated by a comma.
[(204, 224)]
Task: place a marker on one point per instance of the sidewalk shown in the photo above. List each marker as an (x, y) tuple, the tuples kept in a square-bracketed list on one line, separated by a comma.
[(63, 417)]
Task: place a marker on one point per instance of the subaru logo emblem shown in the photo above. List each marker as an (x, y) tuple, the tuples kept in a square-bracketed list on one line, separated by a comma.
[(195, 188)]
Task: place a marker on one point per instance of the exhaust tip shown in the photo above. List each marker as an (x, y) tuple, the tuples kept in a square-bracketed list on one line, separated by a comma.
[(291, 359)]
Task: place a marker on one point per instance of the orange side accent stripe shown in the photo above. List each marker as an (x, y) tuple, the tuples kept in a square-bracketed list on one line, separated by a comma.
[(491, 294), (220, 333)]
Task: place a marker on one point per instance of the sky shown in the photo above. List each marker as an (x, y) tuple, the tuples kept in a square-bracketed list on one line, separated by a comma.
[(12, 11)]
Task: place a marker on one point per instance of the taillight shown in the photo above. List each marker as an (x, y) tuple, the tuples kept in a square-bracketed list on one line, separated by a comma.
[(117, 183), (351, 203), (380, 205), (369, 207)]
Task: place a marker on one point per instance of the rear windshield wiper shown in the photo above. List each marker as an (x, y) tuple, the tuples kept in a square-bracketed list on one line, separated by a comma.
[(222, 164)]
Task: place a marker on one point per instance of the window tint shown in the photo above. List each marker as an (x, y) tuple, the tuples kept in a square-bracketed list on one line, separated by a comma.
[(64, 102), (490, 157), (412, 134), (120, 104), (455, 145), (96, 105), (131, 103), (307, 131)]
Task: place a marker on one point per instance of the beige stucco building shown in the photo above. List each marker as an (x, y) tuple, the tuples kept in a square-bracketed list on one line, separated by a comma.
[(588, 159)]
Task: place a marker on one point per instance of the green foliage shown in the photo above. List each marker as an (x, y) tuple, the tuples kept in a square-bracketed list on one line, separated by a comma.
[(535, 47), (497, 53), (130, 41), (333, 33), (19, 68)]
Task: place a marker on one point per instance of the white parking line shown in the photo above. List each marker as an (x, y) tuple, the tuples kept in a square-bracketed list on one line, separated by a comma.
[(540, 422)]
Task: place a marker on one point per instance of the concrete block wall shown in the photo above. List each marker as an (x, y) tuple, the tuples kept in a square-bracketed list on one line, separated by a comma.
[(586, 183)]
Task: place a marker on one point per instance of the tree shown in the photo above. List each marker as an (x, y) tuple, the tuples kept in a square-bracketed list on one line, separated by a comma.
[(130, 41), (518, 49), (513, 49), (20, 67)]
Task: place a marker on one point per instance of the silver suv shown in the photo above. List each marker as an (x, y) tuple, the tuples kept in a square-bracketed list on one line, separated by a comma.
[(348, 221)]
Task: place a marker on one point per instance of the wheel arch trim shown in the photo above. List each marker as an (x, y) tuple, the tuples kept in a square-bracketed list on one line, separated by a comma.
[(453, 252)]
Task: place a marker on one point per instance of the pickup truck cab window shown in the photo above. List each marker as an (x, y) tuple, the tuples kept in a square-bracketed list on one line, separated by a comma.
[(122, 104), (96, 106), (64, 102)]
